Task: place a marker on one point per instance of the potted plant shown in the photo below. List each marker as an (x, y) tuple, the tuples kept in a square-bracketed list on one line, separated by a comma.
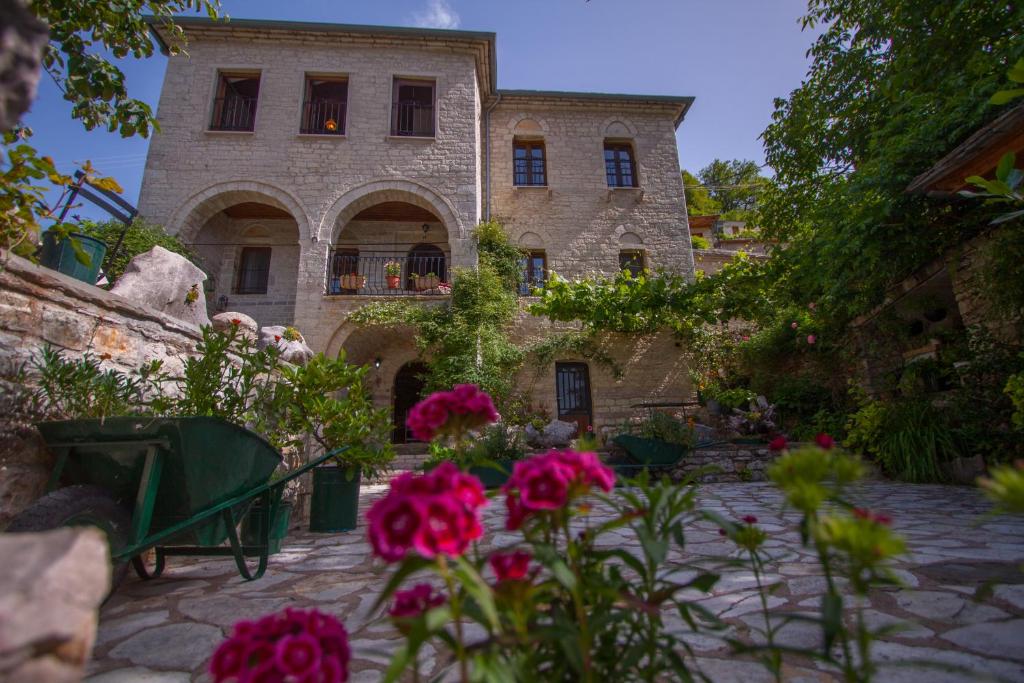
[(421, 283), (393, 274), (353, 281), (258, 517)]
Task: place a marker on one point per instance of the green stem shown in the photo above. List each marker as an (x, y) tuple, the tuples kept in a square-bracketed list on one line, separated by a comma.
[(577, 600), (456, 603)]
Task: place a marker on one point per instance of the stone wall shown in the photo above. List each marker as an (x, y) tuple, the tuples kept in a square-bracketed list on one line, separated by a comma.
[(726, 462), (965, 265)]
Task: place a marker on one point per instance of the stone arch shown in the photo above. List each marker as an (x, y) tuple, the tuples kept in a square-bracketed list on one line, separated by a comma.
[(528, 124), (630, 239), (531, 240), (395, 190), (200, 207), (618, 127)]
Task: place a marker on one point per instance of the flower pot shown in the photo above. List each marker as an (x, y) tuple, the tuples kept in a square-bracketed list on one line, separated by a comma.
[(60, 256), (393, 281), (421, 283), (255, 522), (335, 502), (353, 281)]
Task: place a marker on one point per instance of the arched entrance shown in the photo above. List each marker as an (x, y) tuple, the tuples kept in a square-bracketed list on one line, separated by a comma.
[(409, 387)]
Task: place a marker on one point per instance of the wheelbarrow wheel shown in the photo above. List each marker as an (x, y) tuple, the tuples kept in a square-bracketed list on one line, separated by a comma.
[(81, 506)]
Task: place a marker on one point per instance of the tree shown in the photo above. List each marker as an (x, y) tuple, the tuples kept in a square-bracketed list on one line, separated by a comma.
[(82, 34), (140, 237), (698, 200), (734, 185)]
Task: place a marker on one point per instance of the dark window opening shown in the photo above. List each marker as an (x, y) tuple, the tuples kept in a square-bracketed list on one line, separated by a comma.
[(618, 165), (632, 260), (345, 278), (426, 267), (412, 108), (534, 271), (572, 389), (323, 111), (253, 270), (235, 105), (528, 163)]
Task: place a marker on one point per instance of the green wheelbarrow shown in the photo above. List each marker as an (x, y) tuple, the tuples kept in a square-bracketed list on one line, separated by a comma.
[(177, 485)]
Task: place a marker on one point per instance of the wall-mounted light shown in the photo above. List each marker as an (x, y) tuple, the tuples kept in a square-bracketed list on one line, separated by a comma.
[(222, 303), (426, 228), (376, 363)]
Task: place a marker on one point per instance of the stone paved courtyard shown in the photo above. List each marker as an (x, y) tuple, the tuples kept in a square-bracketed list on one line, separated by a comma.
[(165, 630)]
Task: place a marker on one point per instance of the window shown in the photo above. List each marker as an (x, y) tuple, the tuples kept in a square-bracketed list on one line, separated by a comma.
[(323, 109), (253, 270), (618, 164), (235, 105), (345, 277), (535, 272), (632, 260), (412, 108), (528, 165), (426, 267)]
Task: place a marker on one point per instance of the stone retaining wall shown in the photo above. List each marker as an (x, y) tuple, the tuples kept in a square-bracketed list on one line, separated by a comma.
[(726, 463)]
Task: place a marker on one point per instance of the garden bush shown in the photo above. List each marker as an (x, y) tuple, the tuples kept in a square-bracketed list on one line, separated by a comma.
[(140, 237)]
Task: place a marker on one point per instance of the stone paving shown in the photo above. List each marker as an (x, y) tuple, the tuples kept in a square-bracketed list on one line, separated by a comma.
[(961, 603)]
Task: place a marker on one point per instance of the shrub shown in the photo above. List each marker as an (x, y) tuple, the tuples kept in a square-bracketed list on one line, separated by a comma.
[(140, 237), (698, 242)]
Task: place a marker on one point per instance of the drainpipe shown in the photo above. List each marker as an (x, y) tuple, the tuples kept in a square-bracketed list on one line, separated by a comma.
[(487, 155)]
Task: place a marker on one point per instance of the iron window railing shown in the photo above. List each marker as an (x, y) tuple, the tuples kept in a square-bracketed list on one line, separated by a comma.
[(323, 117), (402, 274), (234, 112), (412, 118)]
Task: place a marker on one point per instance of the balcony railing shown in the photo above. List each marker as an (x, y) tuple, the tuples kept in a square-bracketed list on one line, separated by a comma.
[(394, 275), (234, 113), (412, 119), (323, 117)]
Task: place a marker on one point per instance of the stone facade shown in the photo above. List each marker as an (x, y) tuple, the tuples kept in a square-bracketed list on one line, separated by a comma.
[(384, 196)]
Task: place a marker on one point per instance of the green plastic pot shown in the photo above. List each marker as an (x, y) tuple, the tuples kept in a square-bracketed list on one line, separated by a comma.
[(60, 256), (490, 476), (255, 522), (335, 503)]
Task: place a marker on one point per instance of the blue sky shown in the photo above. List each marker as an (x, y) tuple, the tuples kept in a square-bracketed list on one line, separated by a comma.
[(734, 56)]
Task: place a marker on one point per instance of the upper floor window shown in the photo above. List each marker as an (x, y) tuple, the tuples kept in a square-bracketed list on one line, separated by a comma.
[(235, 105), (619, 165), (632, 260), (253, 271), (528, 165), (412, 108), (535, 271), (323, 109)]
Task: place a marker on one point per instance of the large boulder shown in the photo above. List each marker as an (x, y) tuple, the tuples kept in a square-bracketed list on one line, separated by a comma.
[(556, 434), (247, 327), (288, 342), (167, 282), (51, 588)]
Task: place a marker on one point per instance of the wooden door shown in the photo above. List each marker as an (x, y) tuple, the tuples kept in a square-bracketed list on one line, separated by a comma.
[(572, 387), (408, 392)]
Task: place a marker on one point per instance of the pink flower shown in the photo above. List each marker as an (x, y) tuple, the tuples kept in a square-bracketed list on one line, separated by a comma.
[(516, 512), (236, 321), (230, 658), (298, 655), (427, 417), (877, 518), (811, 305), (434, 514), (745, 338), (415, 601), (551, 480), (511, 566), (793, 325), (463, 408), (777, 444), (811, 339), (824, 441), (750, 519)]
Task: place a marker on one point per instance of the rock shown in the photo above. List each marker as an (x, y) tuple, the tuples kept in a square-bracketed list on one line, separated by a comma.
[(556, 434), (23, 39), (25, 466), (166, 282), (53, 585), (994, 640), (247, 327), (292, 350)]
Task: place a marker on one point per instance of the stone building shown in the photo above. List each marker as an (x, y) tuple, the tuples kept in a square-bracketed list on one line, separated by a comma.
[(319, 167)]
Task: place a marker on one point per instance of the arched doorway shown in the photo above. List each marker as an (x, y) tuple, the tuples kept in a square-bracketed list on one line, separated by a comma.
[(409, 387)]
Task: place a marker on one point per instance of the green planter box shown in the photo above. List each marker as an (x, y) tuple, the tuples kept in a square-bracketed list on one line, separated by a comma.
[(335, 503), (255, 522), (60, 256)]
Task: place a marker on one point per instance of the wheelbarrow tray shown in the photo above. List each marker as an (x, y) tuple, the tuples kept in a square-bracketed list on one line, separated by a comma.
[(204, 461), (651, 452)]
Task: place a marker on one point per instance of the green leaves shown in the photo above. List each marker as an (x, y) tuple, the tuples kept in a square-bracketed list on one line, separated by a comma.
[(1016, 74)]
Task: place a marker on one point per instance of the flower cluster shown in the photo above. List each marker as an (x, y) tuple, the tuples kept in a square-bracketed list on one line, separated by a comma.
[(434, 514), (876, 517), (293, 645), (549, 481), (511, 566), (415, 601), (451, 412)]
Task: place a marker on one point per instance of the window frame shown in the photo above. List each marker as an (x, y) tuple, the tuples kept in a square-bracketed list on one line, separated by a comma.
[(242, 287), (530, 144), (617, 147), (307, 100), (222, 81), (527, 286), (631, 257), (413, 81)]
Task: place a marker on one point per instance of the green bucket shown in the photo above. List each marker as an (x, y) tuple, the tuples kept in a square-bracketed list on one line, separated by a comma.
[(60, 256), (255, 522), (335, 502)]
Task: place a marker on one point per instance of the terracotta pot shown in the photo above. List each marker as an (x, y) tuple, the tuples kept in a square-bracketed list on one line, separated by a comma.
[(353, 281), (425, 282), (393, 281)]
